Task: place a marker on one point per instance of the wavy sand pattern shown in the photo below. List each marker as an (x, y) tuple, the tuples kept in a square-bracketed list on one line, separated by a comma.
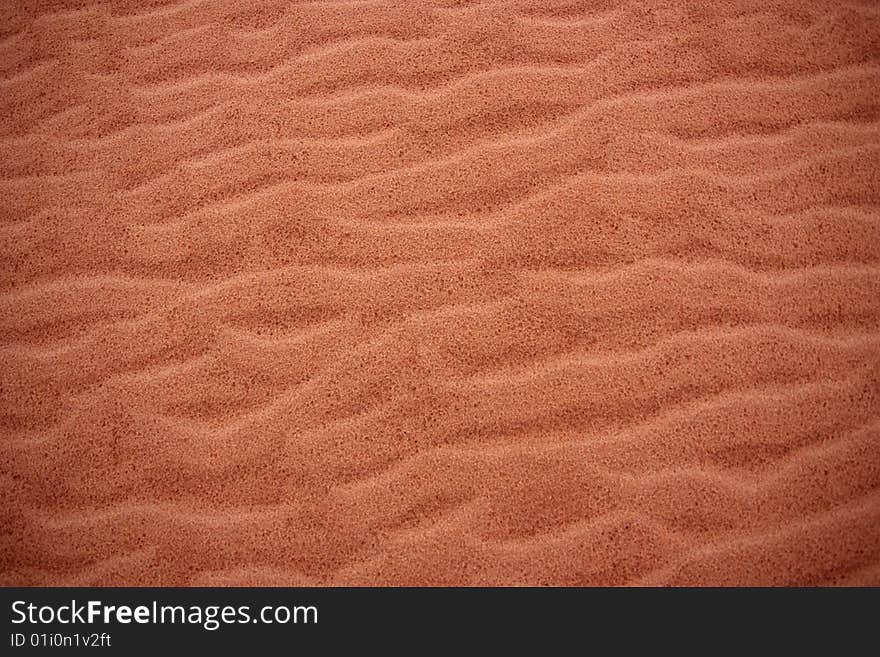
[(502, 292)]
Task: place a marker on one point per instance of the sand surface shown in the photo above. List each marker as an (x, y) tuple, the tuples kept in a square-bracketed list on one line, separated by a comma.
[(498, 292)]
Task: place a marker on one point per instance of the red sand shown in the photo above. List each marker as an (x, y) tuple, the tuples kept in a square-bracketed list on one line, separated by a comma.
[(440, 293)]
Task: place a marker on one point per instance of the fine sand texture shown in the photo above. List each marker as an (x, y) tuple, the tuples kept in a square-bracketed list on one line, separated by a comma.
[(440, 293)]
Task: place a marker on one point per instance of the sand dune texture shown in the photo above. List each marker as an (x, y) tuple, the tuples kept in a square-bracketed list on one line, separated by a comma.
[(503, 292)]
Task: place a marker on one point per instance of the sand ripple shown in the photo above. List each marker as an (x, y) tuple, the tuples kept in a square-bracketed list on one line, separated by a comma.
[(504, 292)]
